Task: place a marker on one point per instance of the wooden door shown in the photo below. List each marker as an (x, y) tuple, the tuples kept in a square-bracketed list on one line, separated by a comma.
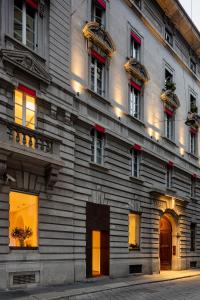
[(165, 244)]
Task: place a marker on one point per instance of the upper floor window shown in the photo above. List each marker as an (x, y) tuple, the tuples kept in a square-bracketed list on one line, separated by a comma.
[(168, 37), (97, 146), (193, 105), (193, 187), (134, 230), (169, 124), (25, 109), (193, 65), (135, 100), (23, 220), (193, 141), (168, 77), (25, 22), (138, 3), (192, 236), (99, 11), (169, 176), (135, 163), (97, 74), (135, 46)]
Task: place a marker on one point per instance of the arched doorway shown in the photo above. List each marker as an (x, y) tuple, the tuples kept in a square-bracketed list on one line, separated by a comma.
[(165, 244)]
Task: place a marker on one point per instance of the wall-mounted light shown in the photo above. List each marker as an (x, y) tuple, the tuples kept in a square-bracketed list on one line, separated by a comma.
[(182, 151), (77, 87), (157, 136), (118, 112)]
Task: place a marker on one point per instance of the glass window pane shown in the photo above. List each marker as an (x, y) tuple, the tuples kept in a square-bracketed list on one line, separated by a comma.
[(30, 102), (18, 112), (134, 230), (23, 220), (30, 118), (18, 97), (18, 20)]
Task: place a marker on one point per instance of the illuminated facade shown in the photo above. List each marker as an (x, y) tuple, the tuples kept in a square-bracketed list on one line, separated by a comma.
[(99, 169)]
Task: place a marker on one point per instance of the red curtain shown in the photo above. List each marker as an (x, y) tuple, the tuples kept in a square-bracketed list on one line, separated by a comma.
[(136, 147), (136, 38), (99, 128), (169, 112), (32, 3), (26, 90), (135, 85), (98, 56), (102, 3)]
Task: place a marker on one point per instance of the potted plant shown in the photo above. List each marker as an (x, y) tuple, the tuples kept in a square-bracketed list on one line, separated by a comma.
[(170, 85), (21, 234)]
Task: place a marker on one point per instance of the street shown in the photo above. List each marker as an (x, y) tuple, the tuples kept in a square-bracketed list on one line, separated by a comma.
[(183, 289)]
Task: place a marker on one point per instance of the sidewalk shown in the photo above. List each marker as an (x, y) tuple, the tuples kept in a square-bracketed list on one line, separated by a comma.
[(70, 291)]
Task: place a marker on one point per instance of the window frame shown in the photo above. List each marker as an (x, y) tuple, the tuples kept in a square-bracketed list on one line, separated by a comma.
[(169, 34), (169, 174), (104, 76), (24, 26), (94, 6), (94, 147), (193, 188), (135, 47), (193, 65), (193, 143), (135, 110), (135, 163), (137, 231), (169, 126)]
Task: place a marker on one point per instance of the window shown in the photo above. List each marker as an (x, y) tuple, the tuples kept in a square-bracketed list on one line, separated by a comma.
[(25, 23), (135, 102), (97, 146), (135, 163), (168, 77), (193, 188), (168, 37), (23, 220), (138, 3), (135, 46), (192, 236), (169, 130), (99, 12), (193, 65), (134, 231), (97, 70), (24, 109), (169, 177), (193, 143), (193, 105)]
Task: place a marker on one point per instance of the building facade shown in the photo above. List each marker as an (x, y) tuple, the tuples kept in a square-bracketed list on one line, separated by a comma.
[(99, 146)]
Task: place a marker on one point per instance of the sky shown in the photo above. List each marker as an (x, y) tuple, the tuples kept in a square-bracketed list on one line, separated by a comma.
[(194, 13)]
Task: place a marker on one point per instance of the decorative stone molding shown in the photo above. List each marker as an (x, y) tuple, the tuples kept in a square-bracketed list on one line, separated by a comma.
[(3, 168), (98, 196), (136, 69), (170, 98), (25, 61), (52, 172), (135, 205), (98, 36)]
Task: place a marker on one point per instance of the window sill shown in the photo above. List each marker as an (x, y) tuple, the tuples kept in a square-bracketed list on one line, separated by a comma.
[(172, 142), (24, 248), (99, 167), (194, 156), (136, 179), (134, 249), (139, 121), (99, 97)]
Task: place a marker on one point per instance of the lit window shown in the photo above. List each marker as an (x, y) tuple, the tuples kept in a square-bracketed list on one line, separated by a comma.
[(25, 23), (135, 48), (169, 130), (168, 37), (192, 236), (169, 177), (193, 143), (135, 163), (23, 220), (193, 65), (97, 147), (134, 231), (135, 102), (24, 109), (98, 12), (97, 70)]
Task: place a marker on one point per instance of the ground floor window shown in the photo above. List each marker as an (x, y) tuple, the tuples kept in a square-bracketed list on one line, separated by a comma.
[(134, 231), (192, 236), (23, 220)]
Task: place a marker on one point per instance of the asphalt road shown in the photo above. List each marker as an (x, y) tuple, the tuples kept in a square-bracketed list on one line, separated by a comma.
[(182, 289)]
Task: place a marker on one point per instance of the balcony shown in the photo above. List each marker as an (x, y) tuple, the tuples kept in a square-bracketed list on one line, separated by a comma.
[(21, 143), (193, 118)]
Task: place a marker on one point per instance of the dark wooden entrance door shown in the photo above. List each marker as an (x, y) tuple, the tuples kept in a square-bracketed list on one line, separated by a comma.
[(165, 244), (97, 239)]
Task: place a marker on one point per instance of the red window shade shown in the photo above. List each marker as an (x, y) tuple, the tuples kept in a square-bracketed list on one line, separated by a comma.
[(26, 90), (136, 38), (193, 131), (102, 3), (135, 85), (32, 3), (98, 56), (136, 147), (99, 128), (170, 164), (194, 177), (169, 112)]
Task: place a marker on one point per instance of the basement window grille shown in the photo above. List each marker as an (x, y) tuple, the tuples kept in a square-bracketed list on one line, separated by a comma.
[(193, 264), (133, 269), (24, 279)]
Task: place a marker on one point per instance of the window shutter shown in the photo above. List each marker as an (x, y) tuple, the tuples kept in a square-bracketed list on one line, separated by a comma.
[(32, 3), (136, 38), (135, 85), (102, 3), (98, 56), (26, 90), (99, 128)]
